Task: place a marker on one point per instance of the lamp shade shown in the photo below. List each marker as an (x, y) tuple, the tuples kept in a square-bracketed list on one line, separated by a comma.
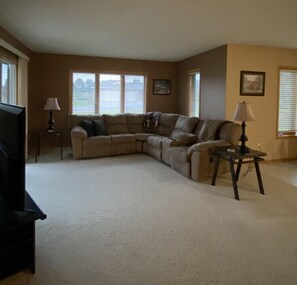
[(51, 104), (244, 112)]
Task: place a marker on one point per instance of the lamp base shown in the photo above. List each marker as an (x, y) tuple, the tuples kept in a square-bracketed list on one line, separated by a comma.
[(52, 130), (243, 138), (51, 123), (243, 149)]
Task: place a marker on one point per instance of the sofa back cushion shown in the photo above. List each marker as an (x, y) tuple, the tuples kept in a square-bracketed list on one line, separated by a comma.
[(209, 130), (230, 132), (116, 124), (166, 124), (135, 123), (184, 124)]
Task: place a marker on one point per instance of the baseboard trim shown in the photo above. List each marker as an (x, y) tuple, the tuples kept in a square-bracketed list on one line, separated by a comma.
[(279, 160)]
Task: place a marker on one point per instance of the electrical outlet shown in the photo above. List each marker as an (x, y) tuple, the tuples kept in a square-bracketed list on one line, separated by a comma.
[(259, 146)]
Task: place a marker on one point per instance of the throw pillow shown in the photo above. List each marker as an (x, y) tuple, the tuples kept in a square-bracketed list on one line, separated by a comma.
[(99, 128), (88, 126), (151, 120)]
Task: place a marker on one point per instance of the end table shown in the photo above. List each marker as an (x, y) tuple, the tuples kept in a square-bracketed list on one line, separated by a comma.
[(234, 156), (52, 135)]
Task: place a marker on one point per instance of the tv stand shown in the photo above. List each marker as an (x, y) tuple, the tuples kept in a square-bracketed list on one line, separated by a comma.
[(17, 237), (29, 210)]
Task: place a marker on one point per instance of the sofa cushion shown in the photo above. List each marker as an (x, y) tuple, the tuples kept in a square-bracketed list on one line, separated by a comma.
[(87, 125), (122, 138), (166, 124), (230, 132), (156, 141), (179, 154), (97, 141), (185, 124), (116, 124), (198, 129), (142, 136), (99, 128), (210, 130), (188, 138), (135, 123)]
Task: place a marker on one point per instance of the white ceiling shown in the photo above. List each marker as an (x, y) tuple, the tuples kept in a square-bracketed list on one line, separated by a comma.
[(168, 30)]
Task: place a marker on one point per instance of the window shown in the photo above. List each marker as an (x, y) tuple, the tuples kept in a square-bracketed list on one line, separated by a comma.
[(287, 108), (194, 104), (8, 83), (94, 93)]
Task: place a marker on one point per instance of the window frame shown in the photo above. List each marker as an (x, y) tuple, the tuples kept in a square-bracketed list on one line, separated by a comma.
[(11, 59), (190, 75), (97, 88), (284, 134), (12, 81)]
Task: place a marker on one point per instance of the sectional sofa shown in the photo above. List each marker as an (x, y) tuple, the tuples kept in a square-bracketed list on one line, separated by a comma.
[(184, 143)]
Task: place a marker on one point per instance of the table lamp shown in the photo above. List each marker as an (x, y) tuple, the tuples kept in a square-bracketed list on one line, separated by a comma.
[(243, 113), (51, 105)]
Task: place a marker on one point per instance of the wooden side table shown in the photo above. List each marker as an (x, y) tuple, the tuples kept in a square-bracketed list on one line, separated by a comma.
[(236, 157), (45, 134)]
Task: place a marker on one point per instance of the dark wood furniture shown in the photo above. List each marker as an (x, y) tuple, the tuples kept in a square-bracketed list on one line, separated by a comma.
[(44, 134), (17, 237), (234, 156)]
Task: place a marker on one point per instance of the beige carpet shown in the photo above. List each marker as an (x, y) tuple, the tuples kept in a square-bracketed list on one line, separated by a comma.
[(133, 220)]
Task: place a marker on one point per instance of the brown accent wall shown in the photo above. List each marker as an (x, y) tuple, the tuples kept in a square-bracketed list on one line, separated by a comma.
[(49, 76), (212, 66)]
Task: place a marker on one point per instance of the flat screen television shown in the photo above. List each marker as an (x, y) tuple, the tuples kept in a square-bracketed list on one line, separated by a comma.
[(12, 155)]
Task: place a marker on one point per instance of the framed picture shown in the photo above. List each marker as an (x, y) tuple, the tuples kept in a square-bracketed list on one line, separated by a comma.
[(161, 87), (252, 83)]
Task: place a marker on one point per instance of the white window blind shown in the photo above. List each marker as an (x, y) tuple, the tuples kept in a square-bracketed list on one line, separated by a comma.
[(94, 93), (287, 112), (194, 104)]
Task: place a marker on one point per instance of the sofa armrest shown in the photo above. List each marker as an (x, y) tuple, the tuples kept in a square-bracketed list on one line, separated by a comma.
[(79, 132), (201, 159), (78, 135), (206, 146)]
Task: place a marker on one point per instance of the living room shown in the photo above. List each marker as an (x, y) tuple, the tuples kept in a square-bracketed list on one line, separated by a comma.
[(45, 70)]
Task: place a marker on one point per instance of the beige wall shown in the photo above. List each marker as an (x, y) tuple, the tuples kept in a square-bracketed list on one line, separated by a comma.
[(212, 66), (49, 77), (255, 58)]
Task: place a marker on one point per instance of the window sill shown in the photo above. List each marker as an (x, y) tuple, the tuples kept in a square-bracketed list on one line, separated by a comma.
[(286, 134)]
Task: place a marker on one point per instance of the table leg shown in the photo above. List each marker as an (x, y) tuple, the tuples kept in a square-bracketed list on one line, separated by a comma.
[(37, 151), (61, 146), (215, 171), (231, 163), (238, 169), (256, 161)]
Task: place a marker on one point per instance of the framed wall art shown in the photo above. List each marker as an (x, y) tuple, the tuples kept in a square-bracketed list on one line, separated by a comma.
[(161, 87), (252, 83)]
